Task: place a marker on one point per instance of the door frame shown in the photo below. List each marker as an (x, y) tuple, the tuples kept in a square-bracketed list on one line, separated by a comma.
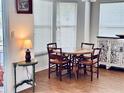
[(5, 23)]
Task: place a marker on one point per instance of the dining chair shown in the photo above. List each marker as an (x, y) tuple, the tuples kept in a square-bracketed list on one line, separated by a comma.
[(92, 64), (58, 62), (85, 56), (87, 46), (50, 46)]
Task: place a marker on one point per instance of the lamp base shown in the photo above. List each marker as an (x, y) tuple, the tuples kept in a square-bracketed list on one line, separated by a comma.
[(28, 60), (27, 56)]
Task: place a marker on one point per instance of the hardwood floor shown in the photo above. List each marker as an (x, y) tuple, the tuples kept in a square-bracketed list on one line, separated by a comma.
[(109, 82)]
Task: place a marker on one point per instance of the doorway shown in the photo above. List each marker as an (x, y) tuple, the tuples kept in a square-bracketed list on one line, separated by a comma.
[(1, 51)]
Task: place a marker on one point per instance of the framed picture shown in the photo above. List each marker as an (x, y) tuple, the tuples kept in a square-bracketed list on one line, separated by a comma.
[(24, 6)]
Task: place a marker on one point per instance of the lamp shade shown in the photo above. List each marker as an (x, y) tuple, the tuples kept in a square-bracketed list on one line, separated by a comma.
[(27, 44)]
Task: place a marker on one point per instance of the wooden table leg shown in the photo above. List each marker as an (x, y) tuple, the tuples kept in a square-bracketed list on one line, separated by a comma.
[(15, 78), (33, 78)]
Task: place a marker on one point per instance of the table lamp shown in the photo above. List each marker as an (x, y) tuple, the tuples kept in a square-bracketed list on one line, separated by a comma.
[(27, 46)]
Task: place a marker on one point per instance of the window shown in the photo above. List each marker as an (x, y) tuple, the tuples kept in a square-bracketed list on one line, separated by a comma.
[(62, 20), (66, 24), (42, 25), (111, 19)]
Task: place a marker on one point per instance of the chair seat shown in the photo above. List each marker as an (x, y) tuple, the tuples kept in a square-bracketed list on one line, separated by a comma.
[(87, 56), (88, 62), (56, 61)]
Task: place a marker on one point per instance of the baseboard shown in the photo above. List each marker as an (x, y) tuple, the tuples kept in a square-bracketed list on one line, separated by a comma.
[(25, 86), (21, 88), (40, 69)]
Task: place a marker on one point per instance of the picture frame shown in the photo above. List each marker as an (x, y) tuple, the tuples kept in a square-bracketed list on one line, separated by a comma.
[(24, 6)]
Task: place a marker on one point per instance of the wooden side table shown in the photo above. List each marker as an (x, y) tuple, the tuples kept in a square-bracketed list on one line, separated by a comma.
[(28, 81)]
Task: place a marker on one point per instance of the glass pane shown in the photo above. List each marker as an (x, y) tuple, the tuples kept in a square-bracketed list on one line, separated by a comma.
[(111, 19), (42, 12), (66, 24), (42, 37), (67, 37), (66, 14), (42, 24)]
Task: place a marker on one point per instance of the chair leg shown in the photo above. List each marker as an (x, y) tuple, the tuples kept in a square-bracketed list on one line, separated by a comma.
[(49, 71), (69, 70), (91, 70), (60, 72), (77, 74), (56, 69), (84, 69), (97, 72), (78, 66)]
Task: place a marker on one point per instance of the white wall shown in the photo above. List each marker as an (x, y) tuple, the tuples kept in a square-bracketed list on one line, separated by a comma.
[(80, 24), (94, 28), (20, 27), (42, 62)]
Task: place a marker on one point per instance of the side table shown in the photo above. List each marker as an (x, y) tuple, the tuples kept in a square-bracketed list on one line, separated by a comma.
[(28, 81)]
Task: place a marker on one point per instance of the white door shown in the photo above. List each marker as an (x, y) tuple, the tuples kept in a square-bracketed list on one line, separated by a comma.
[(66, 24)]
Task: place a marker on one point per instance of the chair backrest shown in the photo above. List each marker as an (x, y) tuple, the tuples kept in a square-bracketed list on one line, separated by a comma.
[(56, 53), (87, 45), (96, 54), (50, 47)]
